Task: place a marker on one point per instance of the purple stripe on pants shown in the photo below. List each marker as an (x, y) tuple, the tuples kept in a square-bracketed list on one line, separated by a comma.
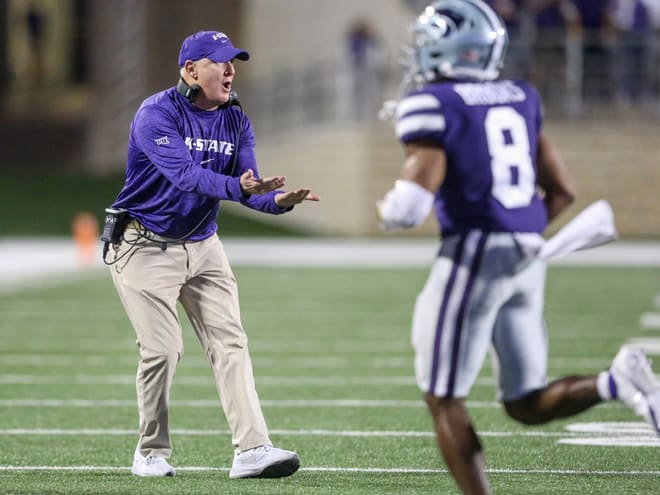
[(458, 254), (614, 393), (458, 330)]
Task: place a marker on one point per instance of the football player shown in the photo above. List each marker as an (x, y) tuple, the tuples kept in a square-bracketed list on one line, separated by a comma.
[(477, 155)]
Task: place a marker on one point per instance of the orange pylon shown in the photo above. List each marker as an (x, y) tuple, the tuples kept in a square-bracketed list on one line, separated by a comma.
[(85, 230)]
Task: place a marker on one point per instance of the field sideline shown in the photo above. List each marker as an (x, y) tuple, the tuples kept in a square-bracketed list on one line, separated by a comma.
[(27, 260), (333, 368)]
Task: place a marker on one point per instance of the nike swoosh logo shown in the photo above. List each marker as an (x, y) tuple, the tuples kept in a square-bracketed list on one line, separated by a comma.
[(206, 161)]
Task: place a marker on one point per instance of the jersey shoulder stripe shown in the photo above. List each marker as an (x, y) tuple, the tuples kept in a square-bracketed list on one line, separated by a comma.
[(419, 123), (419, 115), (416, 103)]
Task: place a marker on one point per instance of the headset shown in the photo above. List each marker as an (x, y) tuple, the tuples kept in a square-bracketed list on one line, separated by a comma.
[(190, 92)]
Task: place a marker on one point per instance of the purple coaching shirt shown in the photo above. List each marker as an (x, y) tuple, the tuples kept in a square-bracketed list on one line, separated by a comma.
[(179, 166), (489, 132)]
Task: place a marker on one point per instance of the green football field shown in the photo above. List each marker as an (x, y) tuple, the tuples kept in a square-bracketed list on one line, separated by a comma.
[(333, 367)]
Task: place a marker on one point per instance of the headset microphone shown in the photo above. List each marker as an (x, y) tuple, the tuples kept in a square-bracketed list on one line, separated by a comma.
[(233, 100)]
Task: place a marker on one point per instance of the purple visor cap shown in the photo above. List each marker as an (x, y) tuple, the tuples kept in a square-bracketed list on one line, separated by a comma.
[(214, 45)]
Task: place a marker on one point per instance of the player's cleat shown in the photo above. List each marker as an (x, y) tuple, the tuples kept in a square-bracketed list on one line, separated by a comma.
[(265, 461), (151, 466), (636, 385)]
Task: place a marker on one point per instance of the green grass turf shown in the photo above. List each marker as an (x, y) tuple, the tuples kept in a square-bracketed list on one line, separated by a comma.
[(315, 334)]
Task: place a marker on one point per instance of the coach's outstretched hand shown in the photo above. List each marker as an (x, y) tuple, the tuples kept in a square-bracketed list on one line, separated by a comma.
[(253, 185), (292, 198)]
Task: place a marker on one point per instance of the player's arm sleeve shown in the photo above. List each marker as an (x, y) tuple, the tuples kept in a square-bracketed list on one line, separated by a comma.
[(419, 117), (411, 199), (157, 135), (420, 126), (246, 159)]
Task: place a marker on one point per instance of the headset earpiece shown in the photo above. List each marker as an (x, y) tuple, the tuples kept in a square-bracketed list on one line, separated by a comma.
[(190, 92)]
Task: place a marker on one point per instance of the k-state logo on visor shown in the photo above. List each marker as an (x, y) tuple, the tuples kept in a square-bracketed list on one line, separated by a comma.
[(220, 36)]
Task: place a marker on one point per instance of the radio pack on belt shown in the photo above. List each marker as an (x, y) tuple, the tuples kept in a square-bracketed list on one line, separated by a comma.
[(115, 222)]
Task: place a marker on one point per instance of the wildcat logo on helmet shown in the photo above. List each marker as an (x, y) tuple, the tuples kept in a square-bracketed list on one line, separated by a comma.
[(456, 39)]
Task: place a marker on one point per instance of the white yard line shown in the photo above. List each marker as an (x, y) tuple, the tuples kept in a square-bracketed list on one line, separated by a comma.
[(315, 432), (650, 441), (641, 429), (263, 361), (257, 346), (284, 403), (609, 434), (651, 345), (201, 403), (343, 470), (650, 320), (296, 381)]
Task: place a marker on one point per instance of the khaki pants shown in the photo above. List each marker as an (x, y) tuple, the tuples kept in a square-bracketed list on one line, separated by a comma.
[(149, 281)]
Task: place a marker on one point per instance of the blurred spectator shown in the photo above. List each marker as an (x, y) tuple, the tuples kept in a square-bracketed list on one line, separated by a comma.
[(368, 65), (35, 19), (557, 67), (598, 37), (634, 61), (653, 10), (519, 23)]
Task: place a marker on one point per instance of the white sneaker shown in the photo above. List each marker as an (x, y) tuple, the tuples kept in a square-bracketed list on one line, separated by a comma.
[(636, 385), (265, 461), (151, 466)]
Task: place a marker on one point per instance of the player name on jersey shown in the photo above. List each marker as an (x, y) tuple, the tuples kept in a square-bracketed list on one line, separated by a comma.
[(496, 93)]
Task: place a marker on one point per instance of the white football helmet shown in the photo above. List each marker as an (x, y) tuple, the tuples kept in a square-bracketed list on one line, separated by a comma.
[(456, 39)]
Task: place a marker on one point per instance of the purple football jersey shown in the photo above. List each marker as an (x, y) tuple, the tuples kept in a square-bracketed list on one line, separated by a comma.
[(489, 132), (179, 166)]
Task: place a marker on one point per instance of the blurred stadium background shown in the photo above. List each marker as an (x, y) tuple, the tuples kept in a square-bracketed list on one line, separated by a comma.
[(74, 72), (329, 345)]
